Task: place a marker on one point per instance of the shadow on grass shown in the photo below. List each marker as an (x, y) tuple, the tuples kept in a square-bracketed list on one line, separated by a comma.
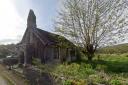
[(111, 66)]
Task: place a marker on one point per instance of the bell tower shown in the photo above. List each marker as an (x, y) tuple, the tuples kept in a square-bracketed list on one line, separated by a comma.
[(31, 21)]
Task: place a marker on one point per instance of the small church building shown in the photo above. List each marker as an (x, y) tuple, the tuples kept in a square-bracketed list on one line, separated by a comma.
[(46, 46)]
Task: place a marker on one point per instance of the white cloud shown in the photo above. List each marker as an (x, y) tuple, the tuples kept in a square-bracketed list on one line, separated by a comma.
[(11, 24)]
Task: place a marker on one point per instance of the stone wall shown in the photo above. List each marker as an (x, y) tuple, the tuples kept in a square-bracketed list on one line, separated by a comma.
[(10, 61), (36, 77)]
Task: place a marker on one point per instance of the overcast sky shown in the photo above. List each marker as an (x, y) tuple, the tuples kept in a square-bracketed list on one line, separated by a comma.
[(13, 17)]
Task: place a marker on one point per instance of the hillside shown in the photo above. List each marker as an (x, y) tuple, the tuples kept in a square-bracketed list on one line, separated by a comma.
[(6, 50), (121, 48)]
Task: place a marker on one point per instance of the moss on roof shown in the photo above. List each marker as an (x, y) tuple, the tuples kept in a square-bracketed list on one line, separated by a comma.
[(57, 40)]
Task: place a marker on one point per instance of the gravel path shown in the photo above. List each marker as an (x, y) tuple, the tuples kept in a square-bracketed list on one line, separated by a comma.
[(16, 80), (2, 81)]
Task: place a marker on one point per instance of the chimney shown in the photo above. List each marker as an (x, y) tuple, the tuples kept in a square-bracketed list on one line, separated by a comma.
[(31, 21)]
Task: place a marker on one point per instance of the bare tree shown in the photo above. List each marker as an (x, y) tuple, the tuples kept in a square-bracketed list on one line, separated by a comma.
[(93, 23)]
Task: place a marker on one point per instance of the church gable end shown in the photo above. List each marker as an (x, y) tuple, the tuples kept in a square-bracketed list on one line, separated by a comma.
[(46, 46)]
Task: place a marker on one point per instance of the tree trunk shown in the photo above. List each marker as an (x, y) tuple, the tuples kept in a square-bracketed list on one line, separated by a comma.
[(90, 52), (90, 56)]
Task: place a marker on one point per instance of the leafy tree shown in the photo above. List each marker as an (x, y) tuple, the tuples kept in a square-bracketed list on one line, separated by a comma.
[(93, 23)]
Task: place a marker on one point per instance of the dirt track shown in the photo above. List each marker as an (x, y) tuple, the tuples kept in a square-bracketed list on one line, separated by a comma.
[(10, 76), (2, 81)]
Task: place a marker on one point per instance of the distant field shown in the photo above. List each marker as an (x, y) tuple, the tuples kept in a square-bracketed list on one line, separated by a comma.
[(6, 50), (121, 48)]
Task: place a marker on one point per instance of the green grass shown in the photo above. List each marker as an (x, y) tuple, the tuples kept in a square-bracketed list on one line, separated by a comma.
[(106, 69), (113, 63)]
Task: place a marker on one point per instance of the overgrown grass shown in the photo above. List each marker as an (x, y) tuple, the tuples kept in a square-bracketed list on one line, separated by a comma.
[(105, 69)]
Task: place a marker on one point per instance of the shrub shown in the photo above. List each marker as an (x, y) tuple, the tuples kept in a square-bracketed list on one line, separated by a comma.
[(101, 67), (67, 82), (115, 82), (79, 82), (126, 55), (86, 69)]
